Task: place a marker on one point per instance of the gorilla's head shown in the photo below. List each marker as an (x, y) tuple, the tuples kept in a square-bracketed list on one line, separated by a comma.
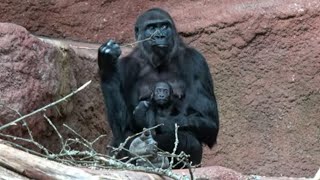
[(162, 94), (156, 29)]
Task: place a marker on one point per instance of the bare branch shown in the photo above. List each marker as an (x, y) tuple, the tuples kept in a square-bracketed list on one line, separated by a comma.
[(176, 142), (25, 149), (45, 107), (24, 122), (136, 42), (89, 157), (124, 45), (55, 129), (86, 141), (41, 147), (122, 145)]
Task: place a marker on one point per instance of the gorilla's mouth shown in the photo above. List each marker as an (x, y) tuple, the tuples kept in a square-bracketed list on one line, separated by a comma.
[(160, 43), (162, 101)]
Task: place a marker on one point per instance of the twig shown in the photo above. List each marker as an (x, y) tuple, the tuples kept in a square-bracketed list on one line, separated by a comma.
[(55, 129), (45, 107), (24, 122), (136, 42), (136, 156), (58, 111), (124, 45), (16, 111), (25, 149), (28, 129), (176, 142), (41, 147), (190, 171), (82, 47), (89, 157), (86, 141), (121, 146), (94, 141)]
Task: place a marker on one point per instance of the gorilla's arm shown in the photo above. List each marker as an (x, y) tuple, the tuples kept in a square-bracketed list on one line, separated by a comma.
[(203, 109), (108, 55), (143, 115)]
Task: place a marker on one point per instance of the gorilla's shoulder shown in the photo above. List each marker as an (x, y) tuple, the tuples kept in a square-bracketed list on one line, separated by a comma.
[(194, 56)]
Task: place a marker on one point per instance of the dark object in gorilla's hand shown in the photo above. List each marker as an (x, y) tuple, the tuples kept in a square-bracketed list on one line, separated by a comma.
[(164, 57), (145, 146)]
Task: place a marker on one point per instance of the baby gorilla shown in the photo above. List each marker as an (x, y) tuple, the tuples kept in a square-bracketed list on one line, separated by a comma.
[(158, 109)]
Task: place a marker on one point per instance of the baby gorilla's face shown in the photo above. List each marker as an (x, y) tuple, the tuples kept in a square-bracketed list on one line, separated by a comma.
[(162, 93)]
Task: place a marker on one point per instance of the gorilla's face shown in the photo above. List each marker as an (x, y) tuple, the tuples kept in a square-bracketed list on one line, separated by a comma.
[(160, 34), (162, 93), (156, 30)]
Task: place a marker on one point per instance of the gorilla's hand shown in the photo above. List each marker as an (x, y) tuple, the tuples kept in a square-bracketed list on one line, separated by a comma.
[(144, 145), (151, 149), (140, 114), (110, 49), (169, 123), (141, 108)]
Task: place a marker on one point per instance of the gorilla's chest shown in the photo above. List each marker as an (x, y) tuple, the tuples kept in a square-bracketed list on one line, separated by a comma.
[(148, 76)]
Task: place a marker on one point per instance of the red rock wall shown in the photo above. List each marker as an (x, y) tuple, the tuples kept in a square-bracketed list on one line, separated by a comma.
[(263, 54)]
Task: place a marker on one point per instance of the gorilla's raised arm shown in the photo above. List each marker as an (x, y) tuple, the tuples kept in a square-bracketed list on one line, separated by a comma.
[(117, 112)]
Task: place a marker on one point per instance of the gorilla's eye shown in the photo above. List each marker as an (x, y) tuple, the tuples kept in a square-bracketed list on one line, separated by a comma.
[(151, 27), (165, 26)]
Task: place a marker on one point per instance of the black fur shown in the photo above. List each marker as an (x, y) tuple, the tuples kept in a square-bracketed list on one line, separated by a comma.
[(125, 82)]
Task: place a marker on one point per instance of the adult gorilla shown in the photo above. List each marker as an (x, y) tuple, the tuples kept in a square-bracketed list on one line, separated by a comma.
[(163, 57)]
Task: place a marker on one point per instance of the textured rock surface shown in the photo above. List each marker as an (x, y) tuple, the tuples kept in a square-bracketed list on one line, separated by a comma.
[(266, 65), (31, 76), (264, 56), (87, 116), (265, 61), (34, 73)]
